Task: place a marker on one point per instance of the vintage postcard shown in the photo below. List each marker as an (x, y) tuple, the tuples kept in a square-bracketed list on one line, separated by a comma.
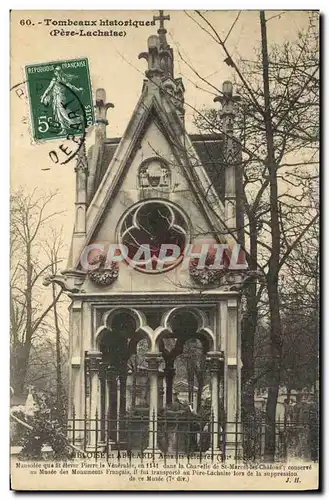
[(164, 250)]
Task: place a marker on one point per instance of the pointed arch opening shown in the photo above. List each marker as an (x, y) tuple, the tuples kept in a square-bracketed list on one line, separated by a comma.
[(184, 339)]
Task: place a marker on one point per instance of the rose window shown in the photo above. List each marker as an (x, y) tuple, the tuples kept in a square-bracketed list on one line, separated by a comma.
[(155, 235)]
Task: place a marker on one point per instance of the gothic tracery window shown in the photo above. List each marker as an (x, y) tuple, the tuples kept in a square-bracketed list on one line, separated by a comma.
[(151, 230)]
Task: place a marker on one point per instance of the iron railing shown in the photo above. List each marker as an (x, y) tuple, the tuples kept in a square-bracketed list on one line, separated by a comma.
[(175, 436)]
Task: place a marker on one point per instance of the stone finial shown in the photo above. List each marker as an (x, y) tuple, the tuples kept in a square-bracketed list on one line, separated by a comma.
[(166, 53), (160, 54), (161, 18), (227, 88), (101, 107), (227, 100), (152, 57)]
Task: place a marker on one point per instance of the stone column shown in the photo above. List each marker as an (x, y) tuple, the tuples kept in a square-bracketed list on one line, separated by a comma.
[(233, 380), (79, 233), (161, 390), (169, 374), (153, 360), (123, 392), (227, 99), (93, 360), (76, 395), (215, 361), (102, 396), (76, 367), (111, 406), (101, 122)]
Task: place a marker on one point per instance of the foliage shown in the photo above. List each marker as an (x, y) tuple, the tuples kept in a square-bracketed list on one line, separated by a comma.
[(293, 97), (277, 136), (34, 252), (17, 431), (48, 428)]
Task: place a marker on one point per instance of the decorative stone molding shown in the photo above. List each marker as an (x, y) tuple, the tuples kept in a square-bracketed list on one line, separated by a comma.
[(81, 160), (103, 276), (111, 373), (101, 107), (168, 371), (93, 361), (153, 361), (102, 370), (237, 280), (153, 57), (137, 228), (75, 362), (69, 281), (206, 276), (226, 279), (232, 362), (174, 90), (228, 100), (215, 361), (154, 174)]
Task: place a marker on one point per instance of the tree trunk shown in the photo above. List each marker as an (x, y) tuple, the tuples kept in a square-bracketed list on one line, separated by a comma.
[(22, 360), (19, 365), (275, 361), (248, 329), (248, 332), (273, 269)]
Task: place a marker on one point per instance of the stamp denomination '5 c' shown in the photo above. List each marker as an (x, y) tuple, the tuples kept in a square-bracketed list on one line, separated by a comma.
[(60, 98)]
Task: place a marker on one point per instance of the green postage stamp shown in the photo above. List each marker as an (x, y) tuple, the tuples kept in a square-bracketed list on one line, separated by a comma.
[(60, 98)]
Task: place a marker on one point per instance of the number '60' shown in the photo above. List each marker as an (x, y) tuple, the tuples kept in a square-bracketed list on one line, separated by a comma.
[(25, 22)]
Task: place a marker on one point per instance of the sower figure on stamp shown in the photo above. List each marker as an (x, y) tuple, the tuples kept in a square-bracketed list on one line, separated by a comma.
[(55, 95)]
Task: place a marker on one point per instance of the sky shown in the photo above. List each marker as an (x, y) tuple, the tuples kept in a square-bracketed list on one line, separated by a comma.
[(114, 66)]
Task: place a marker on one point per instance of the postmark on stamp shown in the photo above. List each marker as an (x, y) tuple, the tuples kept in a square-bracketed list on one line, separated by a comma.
[(60, 99)]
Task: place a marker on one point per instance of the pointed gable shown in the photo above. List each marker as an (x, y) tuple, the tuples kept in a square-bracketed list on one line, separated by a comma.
[(120, 154), (155, 138)]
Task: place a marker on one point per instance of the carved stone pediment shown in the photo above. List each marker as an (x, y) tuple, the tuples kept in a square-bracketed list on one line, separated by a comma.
[(69, 281)]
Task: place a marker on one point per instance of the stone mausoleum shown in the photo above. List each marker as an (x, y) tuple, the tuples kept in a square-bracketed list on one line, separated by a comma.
[(156, 185)]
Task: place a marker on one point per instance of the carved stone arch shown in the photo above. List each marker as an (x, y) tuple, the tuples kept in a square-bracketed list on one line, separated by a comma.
[(138, 316), (202, 330), (198, 314)]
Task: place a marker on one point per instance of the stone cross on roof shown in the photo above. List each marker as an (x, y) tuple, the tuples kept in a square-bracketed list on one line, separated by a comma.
[(161, 18)]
